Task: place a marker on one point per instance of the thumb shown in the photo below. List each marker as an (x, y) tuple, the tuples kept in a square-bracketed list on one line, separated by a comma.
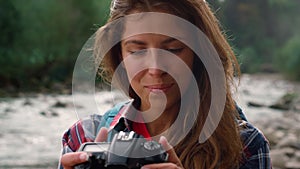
[(102, 135), (173, 158), (69, 160)]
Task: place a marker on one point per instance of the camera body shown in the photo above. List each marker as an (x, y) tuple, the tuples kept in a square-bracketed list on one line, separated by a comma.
[(127, 150)]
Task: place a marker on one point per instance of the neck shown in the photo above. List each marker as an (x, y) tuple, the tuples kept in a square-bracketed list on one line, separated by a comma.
[(157, 123)]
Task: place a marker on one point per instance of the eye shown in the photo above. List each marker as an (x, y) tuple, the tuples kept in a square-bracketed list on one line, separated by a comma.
[(175, 50), (138, 52)]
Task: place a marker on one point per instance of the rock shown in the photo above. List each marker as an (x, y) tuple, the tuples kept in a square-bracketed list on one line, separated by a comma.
[(255, 104), (279, 134), (288, 151), (282, 124), (59, 104), (27, 102), (108, 101), (246, 92), (7, 110), (289, 141), (273, 135), (293, 164), (54, 114), (284, 158), (297, 107), (279, 158), (43, 113), (297, 155), (280, 106), (285, 102), (61, 88), (49, 113)]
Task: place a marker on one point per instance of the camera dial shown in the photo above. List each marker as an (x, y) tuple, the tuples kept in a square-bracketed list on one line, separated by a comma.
[(151, 145)]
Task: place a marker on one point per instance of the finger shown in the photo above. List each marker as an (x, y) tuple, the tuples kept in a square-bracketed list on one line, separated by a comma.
[(102, 135), (71, 159), (173, 158)]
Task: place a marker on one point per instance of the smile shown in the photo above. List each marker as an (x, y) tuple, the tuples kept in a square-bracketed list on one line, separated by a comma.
[(159, 88)]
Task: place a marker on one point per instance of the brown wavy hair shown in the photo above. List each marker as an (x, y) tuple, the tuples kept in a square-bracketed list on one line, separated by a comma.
[(223, 149)]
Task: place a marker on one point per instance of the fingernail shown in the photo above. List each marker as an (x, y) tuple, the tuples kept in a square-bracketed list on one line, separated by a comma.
[(144, 167), (162, 138), (163, 141), (84, 157)]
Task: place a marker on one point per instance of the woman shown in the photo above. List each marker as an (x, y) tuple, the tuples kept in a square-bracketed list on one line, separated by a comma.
[(163, 89)]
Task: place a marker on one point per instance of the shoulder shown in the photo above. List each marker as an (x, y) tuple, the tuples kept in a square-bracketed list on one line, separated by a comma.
[(255, 146), (83, 130), (250, 134), (109, 116), (86, 129)]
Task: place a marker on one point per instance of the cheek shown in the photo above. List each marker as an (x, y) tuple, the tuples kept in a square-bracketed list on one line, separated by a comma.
[(183, 72), (189, 59), (133, 71), (133, 66), (183, 78)]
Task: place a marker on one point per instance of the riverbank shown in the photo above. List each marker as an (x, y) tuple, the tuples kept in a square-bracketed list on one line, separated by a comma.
[(32, 126), (273, 106)]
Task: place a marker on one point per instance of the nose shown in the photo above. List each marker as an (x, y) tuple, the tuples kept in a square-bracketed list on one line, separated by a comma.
[(155, 63), (155, 72)]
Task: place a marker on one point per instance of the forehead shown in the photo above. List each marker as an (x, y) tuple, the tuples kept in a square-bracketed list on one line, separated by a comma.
[(144, 39), (154, 23)]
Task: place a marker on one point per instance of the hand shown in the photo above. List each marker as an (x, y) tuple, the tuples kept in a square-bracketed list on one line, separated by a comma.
[(173, 161), (69, 160)]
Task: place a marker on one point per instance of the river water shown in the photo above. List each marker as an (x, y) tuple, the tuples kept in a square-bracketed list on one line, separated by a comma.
[(31, 127)]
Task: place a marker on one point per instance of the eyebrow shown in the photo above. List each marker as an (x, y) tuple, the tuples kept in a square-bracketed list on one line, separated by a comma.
[(138, 42), (169, 40)]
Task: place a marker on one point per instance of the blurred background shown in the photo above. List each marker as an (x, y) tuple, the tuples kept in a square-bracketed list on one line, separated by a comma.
[(41, 39)]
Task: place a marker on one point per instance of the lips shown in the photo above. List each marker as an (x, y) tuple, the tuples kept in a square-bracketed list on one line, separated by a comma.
[(159, 87)]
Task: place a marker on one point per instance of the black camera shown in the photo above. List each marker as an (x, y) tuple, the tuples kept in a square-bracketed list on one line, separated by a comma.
[(128, 150)]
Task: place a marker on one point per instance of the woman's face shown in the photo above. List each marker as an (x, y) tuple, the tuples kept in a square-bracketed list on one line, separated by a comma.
[(156, 65)]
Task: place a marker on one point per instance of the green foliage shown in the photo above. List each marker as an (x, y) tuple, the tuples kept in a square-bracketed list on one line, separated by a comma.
[(258, 29), (9, 18), (246, 56), (288, 59), (43, 38)]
